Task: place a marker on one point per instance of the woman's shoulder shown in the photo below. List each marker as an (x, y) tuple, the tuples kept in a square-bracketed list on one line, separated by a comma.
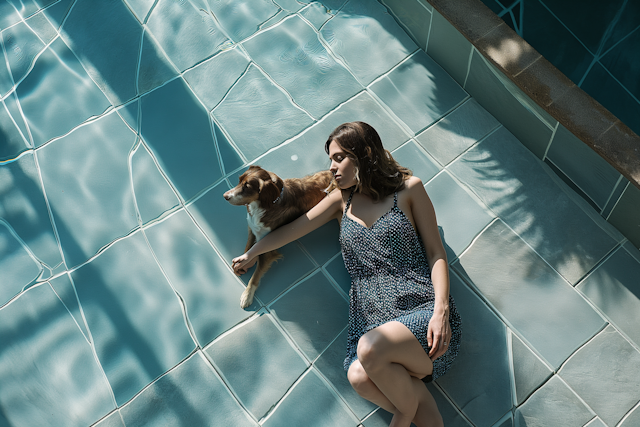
[(412, 182)]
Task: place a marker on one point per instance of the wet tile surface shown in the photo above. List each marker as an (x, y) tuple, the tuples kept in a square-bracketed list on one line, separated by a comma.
[(121, 126)]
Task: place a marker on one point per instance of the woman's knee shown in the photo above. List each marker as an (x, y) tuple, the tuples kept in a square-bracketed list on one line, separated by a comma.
[(371, 349), (358, 378)]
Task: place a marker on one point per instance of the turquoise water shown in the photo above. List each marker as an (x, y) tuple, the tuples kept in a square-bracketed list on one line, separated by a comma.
[(122, 124)]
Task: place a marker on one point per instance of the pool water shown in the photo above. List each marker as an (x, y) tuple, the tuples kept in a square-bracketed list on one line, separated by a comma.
[(122, 124)]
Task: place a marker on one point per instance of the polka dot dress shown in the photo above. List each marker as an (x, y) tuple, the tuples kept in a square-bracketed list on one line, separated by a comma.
[(391, 280)]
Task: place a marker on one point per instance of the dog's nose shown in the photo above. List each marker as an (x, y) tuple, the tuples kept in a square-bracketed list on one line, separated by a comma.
[(226, 196)]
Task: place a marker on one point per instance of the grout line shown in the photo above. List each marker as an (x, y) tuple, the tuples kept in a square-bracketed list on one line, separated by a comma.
[(613, 191), (553, 135), (634, 408), (618, 201)]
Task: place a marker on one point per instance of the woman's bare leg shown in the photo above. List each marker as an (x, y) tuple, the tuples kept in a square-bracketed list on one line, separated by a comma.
[(390, 359), (427, 414)]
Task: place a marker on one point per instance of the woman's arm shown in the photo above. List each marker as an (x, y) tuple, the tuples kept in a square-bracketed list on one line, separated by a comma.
[(426, 225), (329, 208)]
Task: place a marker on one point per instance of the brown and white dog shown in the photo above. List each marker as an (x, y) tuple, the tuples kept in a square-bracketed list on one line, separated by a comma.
[(272, 202)]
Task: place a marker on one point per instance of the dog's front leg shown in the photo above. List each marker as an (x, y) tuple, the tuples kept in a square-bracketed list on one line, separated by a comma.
[(264, 263)]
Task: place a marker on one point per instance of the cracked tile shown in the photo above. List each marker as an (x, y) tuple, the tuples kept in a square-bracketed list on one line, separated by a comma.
[(186, 33), (184, 396), (24, 211), (135, 318), (212, 79), (106, 38), (294, 57), (411, 156), (324, 410), (48, 372), (457, 132), (57, 77), (366, 38), (22, 46), (257, 97), (614, 288), (601, 374), (177, 129), (242, 18), (517, 187), (86, 176), (553, 404), (209, 289), (479, 381), (258, 363), (154, 69), (313, 313), (528, 370), (529, 294), (419, 91)]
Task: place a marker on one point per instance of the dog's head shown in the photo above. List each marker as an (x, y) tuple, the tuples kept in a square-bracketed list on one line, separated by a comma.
[(256, 184)]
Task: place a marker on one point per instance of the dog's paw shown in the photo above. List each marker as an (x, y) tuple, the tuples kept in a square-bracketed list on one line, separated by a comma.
[(246, 299)]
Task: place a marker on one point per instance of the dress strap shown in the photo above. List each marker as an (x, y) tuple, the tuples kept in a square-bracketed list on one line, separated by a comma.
[(349, 201), (395, 199)]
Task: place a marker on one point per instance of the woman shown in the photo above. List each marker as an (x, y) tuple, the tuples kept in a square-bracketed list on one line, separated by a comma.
[(404, 329)]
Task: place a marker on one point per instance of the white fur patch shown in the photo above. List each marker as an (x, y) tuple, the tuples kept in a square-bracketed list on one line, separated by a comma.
[(254, 216)]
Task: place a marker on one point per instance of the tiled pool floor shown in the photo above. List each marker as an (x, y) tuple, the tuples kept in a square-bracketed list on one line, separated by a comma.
[(121, 126)]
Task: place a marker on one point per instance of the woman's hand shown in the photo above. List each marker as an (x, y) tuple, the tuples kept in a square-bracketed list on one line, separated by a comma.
[(439, 333), (242, 263)]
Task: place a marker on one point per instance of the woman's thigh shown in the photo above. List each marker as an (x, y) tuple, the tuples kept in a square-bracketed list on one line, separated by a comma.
[(393, 342)]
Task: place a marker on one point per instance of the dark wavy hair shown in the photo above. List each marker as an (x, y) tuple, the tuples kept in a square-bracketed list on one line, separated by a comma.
[(377, 173)]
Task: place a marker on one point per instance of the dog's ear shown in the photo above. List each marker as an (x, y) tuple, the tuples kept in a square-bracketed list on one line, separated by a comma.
[(269, 191)]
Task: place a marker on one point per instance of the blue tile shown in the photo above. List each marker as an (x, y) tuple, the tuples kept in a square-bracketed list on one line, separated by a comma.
[(225, 225), (186, 33), (461, 216), (330, 364), (415, 16), (57, 12), (317, 14), (322, 244), (48, 371), (590, 172), (114, 419), (186, 396), (601, 374), (339, 273), (529, 371), (86, 176), (208, 288), (506, 102), (614, 288), (12, 141), (8, 15), (620, 60), (633, 419), (12, 104), (479, 381), (153, 194), (177, 129), (624, 215), (135, 318), (528, 294), (257, 97), (140, 8), (293, 56), (553, 404), (242, 18), (154, 69), (313, 313), (305, 153), (106, 38), (284, 273), (258, 363), (520, 189), (22, 46), (457, 132), (413, 157), (19, 268), (212, 79), (66, 292), (367, 39), (58, 68), (323, 410), (23, 212), (449, 48), (419, 91)]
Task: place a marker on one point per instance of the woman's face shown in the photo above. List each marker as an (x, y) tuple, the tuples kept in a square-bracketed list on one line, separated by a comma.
[(342, 167)]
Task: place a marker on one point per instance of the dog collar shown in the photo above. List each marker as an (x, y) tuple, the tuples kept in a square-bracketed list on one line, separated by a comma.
[(281, 193)]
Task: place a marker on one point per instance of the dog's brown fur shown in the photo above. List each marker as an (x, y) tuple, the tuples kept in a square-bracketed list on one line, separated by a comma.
[(272, 202)]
